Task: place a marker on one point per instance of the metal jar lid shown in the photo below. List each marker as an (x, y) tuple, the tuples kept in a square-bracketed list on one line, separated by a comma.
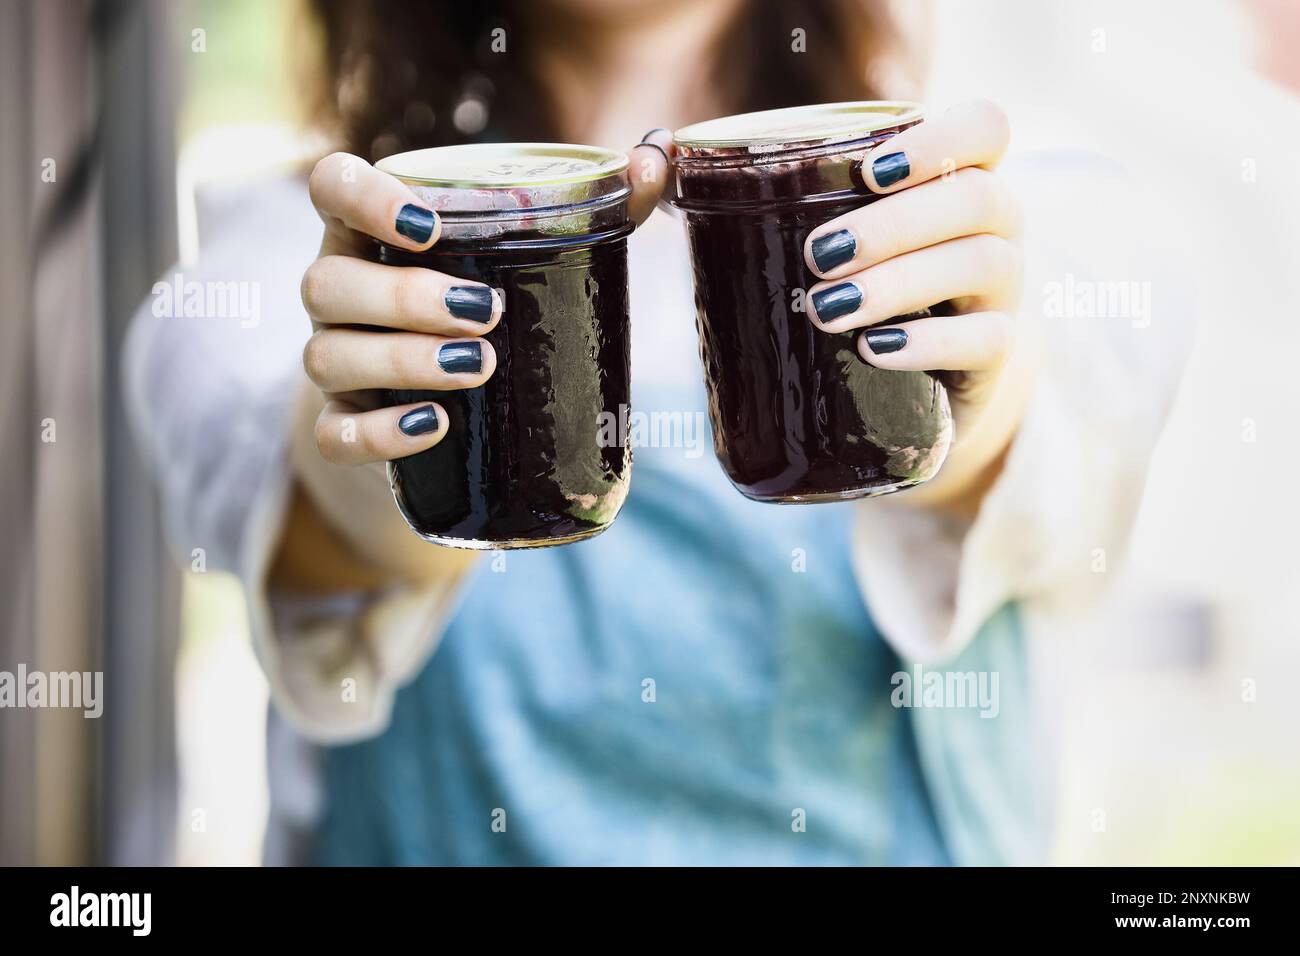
[(485, 190), (798, 126)]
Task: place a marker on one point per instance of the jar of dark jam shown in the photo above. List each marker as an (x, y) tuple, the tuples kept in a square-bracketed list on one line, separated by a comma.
[(526, 461), (797, 415)]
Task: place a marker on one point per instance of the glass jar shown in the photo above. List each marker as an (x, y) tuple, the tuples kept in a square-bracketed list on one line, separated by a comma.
[(527, 460), (797, 415)]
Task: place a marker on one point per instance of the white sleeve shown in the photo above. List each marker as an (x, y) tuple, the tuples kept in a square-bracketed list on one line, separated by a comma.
[(1058, 517), (212, 366)]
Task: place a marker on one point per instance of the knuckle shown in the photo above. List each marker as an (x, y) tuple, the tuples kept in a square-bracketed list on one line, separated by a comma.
[(1000, 328), (369, 438), (881, 232), (1001, 336), (326, 442), (408, 366), (982, 191), (993, 117), (1000, 207), (411, 294), (887, 286), (941, 338), (326, 172), (995, 256), (315, 285), (316, 359), (1005, 215)]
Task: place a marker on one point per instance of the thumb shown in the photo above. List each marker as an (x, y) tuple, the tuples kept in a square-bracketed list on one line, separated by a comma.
[(647, 172)]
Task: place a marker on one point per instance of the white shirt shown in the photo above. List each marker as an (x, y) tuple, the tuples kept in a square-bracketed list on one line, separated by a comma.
[(212, 401)]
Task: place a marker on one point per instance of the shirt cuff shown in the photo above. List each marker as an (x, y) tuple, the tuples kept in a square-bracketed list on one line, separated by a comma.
[(1058, 513), (333, 664)]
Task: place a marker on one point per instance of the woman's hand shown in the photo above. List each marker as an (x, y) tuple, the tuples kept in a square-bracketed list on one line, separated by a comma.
[(379, 327), (948, 231), (375, 327), (383, 327), (436, 321)]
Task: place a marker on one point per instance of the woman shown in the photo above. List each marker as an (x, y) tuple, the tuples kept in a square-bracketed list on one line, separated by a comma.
[(712, 680)]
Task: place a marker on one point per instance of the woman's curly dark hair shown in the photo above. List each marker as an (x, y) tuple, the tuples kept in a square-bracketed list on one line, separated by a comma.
[(396, 75)]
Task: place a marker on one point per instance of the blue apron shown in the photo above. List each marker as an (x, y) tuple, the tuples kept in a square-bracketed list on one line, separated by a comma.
[(702, 684)]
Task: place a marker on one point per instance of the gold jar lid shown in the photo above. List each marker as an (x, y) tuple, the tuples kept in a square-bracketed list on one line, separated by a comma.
[(824, 123), (503, 165)]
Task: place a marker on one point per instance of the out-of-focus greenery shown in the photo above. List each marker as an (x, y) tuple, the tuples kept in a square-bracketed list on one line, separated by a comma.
[(1244, 816), (1212, 807), (246, 74), (212, 608)]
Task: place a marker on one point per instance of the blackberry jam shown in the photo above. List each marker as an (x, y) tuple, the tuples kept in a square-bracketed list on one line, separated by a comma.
[(525, 462), (797, 415)]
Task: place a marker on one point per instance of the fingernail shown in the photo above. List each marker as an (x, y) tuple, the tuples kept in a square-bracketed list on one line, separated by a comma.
[(419, 421), (837, 301), (461, 357), (469, 302), (415, 222), (833, 249), (884, 341), (890, 169)]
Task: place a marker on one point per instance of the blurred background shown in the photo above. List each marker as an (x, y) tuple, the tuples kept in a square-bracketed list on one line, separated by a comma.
[(123, 121)]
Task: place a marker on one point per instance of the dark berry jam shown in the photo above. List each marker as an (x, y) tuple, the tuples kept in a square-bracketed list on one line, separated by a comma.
[(797, 415), (529, 458), (522, 462)]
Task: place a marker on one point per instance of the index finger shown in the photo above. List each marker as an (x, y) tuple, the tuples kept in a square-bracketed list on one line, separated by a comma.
[(969, 134), (353, 197)]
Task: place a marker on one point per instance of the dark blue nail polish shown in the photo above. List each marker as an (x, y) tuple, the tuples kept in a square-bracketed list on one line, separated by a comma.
[(837, 301), (415, 222), (419, 421), (884, 341), (461, 357), (890, 169), (469, 302), (833, 249)]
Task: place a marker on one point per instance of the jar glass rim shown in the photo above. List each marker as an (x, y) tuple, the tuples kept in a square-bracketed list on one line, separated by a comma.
[(822, 123)]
